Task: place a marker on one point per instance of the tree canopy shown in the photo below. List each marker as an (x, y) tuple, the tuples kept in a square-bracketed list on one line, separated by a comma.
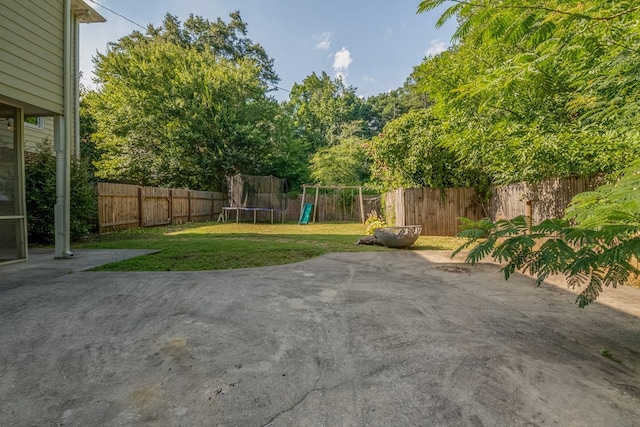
[(410, 153), (534, 89), (185, 105), (530, 90), (322, 106)]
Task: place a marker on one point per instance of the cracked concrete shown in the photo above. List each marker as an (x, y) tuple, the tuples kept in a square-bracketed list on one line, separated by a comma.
[(362, 339)]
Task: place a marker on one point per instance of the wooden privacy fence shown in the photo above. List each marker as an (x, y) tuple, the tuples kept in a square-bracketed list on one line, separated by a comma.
[(334, 204), (122, 206), (438, 211), (544, 200)]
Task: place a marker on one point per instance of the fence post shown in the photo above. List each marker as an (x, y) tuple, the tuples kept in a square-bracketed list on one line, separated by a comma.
[(141, 204), (189, 203), (213, 202), (361, 205), (529, 214), (170, 206), (401, 208)]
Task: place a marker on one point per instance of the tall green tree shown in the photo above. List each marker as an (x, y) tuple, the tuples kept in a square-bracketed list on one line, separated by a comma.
[(226, 40), (567, 90), (410, 153), (538, 88), (344, 163), (185, 105), (391, 105), (321, 106)]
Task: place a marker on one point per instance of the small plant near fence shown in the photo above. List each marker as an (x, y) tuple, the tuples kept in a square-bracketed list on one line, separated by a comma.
[(373, 221)]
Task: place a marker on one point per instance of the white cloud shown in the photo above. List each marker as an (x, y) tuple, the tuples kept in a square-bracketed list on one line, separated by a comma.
[(342, 60), (435, 47), (324, 41), (368, 79)]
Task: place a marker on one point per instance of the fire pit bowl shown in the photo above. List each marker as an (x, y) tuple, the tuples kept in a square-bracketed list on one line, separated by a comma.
[(398, 237)]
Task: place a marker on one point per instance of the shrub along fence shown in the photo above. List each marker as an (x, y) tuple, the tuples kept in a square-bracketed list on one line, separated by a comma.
[(439, 210), (122, 206)]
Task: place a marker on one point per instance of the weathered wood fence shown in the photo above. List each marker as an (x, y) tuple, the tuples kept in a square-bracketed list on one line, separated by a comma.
[(332, 208), (438, 211), (122, 206)]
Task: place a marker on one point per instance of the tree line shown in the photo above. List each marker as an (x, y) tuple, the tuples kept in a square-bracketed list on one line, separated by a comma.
[(529, 90)]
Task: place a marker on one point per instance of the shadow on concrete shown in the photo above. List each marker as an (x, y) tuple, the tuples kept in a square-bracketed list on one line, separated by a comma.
[(43, 266)]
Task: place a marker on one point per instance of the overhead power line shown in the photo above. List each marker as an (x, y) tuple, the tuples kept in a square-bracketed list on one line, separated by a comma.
[(273, 86), (118, 14)]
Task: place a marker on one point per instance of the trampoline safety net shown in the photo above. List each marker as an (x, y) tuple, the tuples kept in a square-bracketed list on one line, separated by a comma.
[(248, 191)]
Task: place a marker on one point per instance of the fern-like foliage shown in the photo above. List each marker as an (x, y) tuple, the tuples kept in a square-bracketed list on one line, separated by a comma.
[(615, 203), (586, 257), (595, 245)]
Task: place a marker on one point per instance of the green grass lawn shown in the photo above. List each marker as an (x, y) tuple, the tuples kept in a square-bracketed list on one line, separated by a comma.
[(212, 246)]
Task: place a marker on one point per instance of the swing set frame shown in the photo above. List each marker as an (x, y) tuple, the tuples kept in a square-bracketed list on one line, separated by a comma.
[(317, 188)]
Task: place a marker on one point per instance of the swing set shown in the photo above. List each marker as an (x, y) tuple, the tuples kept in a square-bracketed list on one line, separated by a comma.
[(338, 203)]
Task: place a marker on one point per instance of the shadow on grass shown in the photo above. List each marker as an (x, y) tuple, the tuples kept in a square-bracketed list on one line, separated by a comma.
[(208, 246)]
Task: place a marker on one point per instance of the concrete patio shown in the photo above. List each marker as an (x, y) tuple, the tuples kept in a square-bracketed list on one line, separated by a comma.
[(375, 339)]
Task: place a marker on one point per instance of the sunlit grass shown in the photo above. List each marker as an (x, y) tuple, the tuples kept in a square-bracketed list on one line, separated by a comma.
[(214, 246)]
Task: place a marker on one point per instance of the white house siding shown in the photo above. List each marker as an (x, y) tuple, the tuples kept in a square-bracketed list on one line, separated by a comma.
[(32, 35)]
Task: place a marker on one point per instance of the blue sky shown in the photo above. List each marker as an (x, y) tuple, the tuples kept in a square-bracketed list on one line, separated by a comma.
[(372, 44)]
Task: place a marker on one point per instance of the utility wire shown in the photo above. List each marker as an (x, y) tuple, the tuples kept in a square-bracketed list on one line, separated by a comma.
[(116, 13), (273, 86)]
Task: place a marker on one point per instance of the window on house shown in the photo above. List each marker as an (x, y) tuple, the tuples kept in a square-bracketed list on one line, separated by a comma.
[(35, 122)]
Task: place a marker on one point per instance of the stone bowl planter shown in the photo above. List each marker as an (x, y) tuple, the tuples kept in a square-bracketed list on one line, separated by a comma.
[(398, 237)]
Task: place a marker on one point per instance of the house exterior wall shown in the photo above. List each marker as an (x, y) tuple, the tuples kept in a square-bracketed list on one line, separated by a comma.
[(34, 136), (32, 35)]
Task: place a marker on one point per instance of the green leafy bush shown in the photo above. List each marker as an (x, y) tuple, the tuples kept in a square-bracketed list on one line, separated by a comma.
[(40, 180), (374, 221)]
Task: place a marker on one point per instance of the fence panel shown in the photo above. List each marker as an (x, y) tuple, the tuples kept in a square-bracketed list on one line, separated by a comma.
[(122, 206), (438, 211), (180, 206), (218, 201), (201, 204), (156, 206), (118, 206), (544, 200)]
